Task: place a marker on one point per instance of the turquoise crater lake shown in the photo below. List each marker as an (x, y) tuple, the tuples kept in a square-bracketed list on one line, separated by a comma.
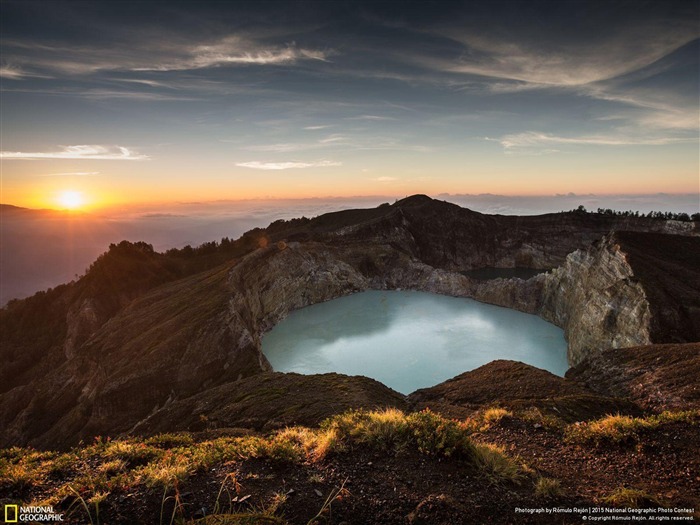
[(410, 340)]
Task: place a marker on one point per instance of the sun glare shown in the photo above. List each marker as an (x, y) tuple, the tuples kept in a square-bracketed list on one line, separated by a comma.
[(71, 199)]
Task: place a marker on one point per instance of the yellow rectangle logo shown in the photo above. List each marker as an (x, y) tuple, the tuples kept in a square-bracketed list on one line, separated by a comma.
[(8, 508)]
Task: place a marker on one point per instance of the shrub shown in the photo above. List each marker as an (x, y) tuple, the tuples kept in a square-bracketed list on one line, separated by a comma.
[(494, 415), (166, 472), (627, 497), (436, 436), (496, 465), (133, 454), (625, 429), (547, 488), (170, 440)]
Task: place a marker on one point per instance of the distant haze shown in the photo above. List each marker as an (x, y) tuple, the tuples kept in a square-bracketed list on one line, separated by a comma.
[(44, 248)]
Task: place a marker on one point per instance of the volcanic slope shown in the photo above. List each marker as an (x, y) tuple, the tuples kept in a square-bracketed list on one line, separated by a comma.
[(143, 331)]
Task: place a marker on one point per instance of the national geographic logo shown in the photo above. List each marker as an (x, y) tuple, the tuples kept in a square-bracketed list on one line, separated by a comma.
[(26, 514), (11, 513)]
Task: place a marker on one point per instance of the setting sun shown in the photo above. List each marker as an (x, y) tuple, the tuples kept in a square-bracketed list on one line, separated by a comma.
[(71, 199)]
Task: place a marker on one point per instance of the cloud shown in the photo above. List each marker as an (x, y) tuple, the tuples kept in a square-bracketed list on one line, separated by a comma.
[(72, 174), (285, 147), (334, 139), (146, 82), (385, 179), (163, 55), (657, 109), (370, 117), (530, 60), (313, 128), (235, 50), (12, 72), (342, 142), (133, 95), (257, 165), (80, 152), (532, 139)]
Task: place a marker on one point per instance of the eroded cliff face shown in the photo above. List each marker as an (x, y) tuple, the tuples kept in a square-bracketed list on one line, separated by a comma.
[(594, 296), (628, 289), (598, 301)]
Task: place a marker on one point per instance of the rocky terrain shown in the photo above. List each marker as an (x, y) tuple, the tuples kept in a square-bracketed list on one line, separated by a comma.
[(141, 331), (147, 343), (512, 437)]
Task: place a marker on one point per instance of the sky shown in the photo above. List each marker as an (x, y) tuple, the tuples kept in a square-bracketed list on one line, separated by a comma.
[(129, 103)]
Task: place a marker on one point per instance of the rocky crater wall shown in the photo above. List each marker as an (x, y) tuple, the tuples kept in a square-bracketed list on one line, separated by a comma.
[(113, 373), (597, 299), (594, 296)]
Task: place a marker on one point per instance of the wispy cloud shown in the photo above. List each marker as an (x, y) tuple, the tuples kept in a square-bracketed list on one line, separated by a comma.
[(284, 147), (134, 95), (79, 152), (233, 51), (385, 179), (13, 72), (334, 139), (339, 142), (145, 82), (660, 109), (535, 139), (314, 128), (257, 165), (529, 63), (370, 117), (72, 174), (162, 56)]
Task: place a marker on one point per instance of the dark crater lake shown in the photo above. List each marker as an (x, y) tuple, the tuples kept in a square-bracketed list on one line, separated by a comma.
[(410, 340)]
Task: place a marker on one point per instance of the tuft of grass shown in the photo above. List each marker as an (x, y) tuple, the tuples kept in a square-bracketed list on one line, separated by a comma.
[(170, 440), (621, 429), (535, 416), (437, 436), (285, 447), (391, 430), (17, 476), (21, 468), (165, 473), (325, 442), (628, 497), (113, 467), (547, 488), (133, 453), (497, 466), (63, 465), (495, 414), (384, 430), (316, 477)]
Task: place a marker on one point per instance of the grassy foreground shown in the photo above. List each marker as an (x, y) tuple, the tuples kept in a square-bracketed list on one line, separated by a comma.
[(91, 482)]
